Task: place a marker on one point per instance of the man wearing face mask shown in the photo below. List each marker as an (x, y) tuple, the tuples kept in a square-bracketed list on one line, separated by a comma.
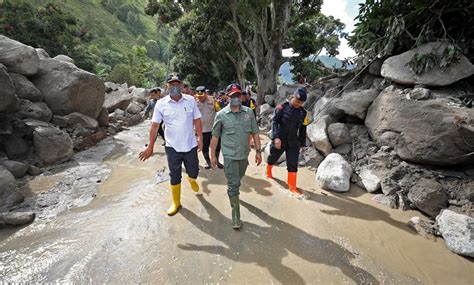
[(233, 125), (182, 120), (289, 135), (206, 105)]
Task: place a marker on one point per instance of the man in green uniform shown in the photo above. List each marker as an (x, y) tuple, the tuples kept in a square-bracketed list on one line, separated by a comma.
[(234, 124)]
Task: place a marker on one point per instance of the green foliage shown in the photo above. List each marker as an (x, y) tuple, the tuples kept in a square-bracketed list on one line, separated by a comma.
[(391, 27), (422, 62), (153, 49)]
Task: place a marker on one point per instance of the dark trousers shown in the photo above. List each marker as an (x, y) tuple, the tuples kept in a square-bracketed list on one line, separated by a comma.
[(176, 159), (206, 143), (292, 154)]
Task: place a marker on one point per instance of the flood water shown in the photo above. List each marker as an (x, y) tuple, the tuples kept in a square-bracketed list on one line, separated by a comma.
[(122, 234)]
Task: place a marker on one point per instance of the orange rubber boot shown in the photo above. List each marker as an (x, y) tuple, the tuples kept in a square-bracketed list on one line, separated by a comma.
[(292, 182), (269, 171)]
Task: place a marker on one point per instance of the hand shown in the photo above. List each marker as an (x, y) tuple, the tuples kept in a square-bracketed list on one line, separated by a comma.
[(258, 158), (144, 155), (199, 144), (213, 161), (277, 143)]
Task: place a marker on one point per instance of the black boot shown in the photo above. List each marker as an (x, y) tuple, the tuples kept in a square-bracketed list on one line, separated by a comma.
[(208, 160)]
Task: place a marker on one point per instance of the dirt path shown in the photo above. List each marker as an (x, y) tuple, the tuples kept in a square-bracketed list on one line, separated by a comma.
[(124, 236)]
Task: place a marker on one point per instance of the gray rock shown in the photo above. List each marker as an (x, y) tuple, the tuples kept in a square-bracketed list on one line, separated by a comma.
[(396, 68), (264, 108), (134, 108), (52, 144), (369, 180), (135, 120), (284, 92), (42, 53), (140, 92), (34, 171), (65, 58), (139, 100), (9, 196), (34, 110), (110, 86), (15, 147), (309, 156), (17, 57), (67, 89), (338, 134), (124, 86), (344, 149), (422, 227), (458, 232), (8, 100), (317, 134), (356, 103), (76, 118), (429, 196), (376, 66), (59, 121), (440, 134), (25, 89), (119, 99), (389, 201), (270, 100), (103, 118), (334, 173), (18, 169), (420, 94), (17, 218)]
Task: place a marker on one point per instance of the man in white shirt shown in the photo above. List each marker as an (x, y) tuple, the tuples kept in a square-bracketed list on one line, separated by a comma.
[(182, 119)]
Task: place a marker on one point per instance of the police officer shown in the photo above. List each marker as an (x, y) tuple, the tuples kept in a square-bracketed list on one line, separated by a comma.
[(222, 101), (180, 114), (289, 135), (233, 125), (206, 105)]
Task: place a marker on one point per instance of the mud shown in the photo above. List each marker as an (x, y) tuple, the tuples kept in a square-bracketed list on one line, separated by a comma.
[(117, 231)]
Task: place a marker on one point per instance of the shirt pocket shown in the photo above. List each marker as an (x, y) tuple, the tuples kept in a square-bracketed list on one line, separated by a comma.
[(229, 128), (168, 113), (248, 125)]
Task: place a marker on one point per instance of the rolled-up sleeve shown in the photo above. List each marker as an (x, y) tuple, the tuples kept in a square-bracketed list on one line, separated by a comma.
[(217, 127), (196, 112), (157, 114)]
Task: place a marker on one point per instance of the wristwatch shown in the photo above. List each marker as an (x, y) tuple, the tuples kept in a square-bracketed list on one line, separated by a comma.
[(259, 150)]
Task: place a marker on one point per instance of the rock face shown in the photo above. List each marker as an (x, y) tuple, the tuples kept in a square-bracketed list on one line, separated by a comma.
[(16, 218), (119, 99), (34, 110), (103, 118), (8, 194), (339, 134), (356, 103), (25, 89), (439, 135), (317, 134), (82, 120), (17, 57), (458, 232), (396, 68), (18, 169), (8, 100), (64, 58), (67, 89), (428, 196), (52, 145), (334, 173)]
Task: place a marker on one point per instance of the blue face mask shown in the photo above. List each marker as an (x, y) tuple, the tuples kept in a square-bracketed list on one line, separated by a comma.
[(175, 91), (235, 101)]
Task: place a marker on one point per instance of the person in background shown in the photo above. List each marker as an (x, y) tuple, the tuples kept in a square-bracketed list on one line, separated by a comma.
[(206, 105), (222, 102), (233, 125), (289, 135), (180, 114), (155, 95)]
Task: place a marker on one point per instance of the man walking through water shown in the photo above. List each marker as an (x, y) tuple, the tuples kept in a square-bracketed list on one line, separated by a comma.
[(289, 135), (233, 125), (182, 120)]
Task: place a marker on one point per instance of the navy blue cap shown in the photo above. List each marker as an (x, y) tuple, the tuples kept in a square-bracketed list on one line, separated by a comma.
[(300, 94)]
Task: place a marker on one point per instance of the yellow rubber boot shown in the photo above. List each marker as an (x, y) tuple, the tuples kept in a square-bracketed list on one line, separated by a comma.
[(176, 194), (194, 184), (269, 171)]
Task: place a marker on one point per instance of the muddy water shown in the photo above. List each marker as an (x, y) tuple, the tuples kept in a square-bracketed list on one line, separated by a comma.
[(124, 236)]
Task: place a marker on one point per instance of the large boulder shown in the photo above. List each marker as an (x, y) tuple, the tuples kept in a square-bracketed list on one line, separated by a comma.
[(135, 108), (284, 92), (25, 89), (76, 118), (8, 100), (339, 134), (34, 110), (429, 196), (355, 103), (317, 134), (334, 173), (18, 169), (15, 147), (396, 68), (458, 232), (110, 86), (17, 57), (119, 99), (16, 218), (9, 196), (140, 92), (430, 132), (52, 144), (103, 118), (65, 58), (67, 89), (369, 180), (42, 53)]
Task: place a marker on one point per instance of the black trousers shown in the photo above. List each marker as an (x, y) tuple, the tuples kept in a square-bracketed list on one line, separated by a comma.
[(292, 154), (207, 142), (161, 132), (176, 159)]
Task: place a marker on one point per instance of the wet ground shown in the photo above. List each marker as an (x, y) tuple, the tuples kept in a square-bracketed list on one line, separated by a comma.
[(115, 229)]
